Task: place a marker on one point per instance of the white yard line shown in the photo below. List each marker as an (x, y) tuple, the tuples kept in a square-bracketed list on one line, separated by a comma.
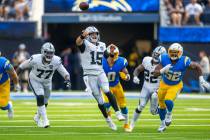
[(101, 126), (84, 94), (93, 120)]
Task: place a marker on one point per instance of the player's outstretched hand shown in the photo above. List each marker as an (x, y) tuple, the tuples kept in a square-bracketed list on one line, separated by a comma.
[(204, 83), (68, 83), (136, 80), (165, 69), (17, 87), (84, 34)]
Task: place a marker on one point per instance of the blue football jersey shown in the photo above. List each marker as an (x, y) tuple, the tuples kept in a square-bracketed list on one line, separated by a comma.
[(113, 72), (4, 66), (176, 73)]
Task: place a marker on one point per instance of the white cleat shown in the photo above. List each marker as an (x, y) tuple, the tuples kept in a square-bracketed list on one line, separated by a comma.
[(168, 119), (119, 116), (46, 123), (111, 124), (162, 127), (132, 125), (10, 111), (37, 120)]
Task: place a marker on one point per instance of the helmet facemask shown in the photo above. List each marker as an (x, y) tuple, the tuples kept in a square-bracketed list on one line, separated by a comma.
[(48, 55), (48, 52), (113, 52), (155, 57), (94, 37)]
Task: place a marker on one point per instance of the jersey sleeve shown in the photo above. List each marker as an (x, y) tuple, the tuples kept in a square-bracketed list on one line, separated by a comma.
[(123, 64), (187, 62), (7, 65), (144, 62)]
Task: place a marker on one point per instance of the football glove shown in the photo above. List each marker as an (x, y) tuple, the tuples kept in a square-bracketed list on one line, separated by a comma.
[(165, 69), (68, 83), (136, 80)]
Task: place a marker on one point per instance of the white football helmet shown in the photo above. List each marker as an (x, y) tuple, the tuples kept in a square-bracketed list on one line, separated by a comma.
[(47, 51), (157, 52), (91, 37), (175, 51), (113, 51)]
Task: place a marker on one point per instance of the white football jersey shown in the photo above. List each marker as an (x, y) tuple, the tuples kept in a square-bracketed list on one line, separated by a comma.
[(150, 81), (91, 58), (43, 72)]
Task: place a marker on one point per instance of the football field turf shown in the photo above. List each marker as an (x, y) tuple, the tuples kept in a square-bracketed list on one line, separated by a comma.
[(80, 119)]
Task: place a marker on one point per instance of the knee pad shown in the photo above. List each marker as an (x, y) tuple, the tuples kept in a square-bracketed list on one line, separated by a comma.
[(40, 100), (124, 110), (154, 111)]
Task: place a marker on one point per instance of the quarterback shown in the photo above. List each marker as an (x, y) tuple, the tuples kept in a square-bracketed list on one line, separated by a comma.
[(115, 67), (92, 52), (151, 84), (172, 67), (6, 72), (42, 68)]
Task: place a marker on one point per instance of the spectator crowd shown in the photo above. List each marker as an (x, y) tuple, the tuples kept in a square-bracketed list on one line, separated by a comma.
[(15, 10), (188, 12)]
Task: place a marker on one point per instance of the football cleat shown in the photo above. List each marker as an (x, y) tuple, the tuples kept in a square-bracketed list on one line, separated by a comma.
[(162, 127), (46, 123), (10, 111), (119, 116), (126, 127), (168, 119), (111, 124), (132, 125)]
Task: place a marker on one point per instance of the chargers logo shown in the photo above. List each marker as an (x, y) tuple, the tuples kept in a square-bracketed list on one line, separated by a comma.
[(116, 5)]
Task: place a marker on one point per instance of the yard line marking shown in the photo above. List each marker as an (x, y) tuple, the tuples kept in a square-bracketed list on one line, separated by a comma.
[(95, 120), (198, 109), (101, 126)]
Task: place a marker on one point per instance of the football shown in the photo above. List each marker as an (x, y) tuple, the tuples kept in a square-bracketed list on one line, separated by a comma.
[(83, 6)]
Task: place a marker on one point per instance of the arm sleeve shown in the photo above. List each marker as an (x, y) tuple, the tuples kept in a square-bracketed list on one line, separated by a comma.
[(63, 72)]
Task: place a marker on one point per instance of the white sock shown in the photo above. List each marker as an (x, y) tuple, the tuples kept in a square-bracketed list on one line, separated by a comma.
[(108, 119), (42, 112), (126, 118), (135, 116)]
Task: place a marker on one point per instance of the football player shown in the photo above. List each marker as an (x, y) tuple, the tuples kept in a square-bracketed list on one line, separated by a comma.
[(115, 67), (42, 68), (92, 51), (172, 67), (151, 84), (7, 72)]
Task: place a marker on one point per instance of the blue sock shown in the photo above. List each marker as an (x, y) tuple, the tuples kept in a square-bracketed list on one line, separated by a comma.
[(6, 107), (124, 110), (169, 105), (162, 114), (107, 105)]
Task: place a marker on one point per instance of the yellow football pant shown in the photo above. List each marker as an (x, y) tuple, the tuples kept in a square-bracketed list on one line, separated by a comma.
[(4, 93), (168, 92), (119, 95)]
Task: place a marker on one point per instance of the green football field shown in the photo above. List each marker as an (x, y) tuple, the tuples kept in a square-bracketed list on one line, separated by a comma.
[(80, 119)]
